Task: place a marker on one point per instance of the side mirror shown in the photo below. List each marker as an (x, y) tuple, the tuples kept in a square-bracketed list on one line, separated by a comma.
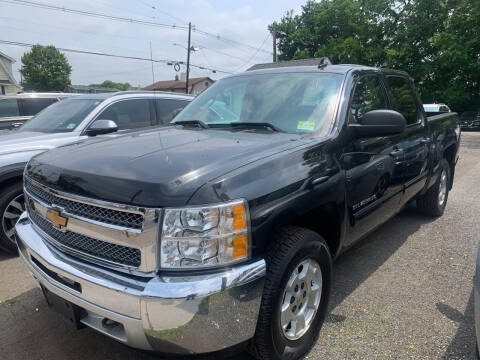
[(379, 123), (100, 127)]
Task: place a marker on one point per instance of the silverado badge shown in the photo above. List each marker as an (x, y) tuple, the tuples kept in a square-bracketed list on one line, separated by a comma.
[(56, 219)]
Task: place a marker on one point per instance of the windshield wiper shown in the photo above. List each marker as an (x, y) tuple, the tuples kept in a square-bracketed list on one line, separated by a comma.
[(197, 123), (255, 125)]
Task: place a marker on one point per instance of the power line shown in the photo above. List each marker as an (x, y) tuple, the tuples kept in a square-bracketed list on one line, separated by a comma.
[(202, 47), (94, 14), (255, 53), (162, 12), (163, 61), (129, 20), (227, 40)]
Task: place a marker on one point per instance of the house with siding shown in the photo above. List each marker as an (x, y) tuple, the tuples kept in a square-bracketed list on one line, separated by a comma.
[(8, 84), (195, 85)]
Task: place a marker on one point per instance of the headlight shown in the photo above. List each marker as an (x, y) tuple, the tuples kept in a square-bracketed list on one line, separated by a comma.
[(205, 236)]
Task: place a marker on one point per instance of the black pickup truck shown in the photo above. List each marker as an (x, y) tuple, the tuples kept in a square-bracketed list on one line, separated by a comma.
[(220, 230)]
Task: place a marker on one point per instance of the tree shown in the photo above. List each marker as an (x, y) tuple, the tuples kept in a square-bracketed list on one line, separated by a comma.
[(435, 41), (44, 68), (113, 85)]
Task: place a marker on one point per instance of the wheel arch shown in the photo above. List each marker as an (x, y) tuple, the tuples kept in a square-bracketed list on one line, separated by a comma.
[(11, 174), (449, 155), (325, 220)]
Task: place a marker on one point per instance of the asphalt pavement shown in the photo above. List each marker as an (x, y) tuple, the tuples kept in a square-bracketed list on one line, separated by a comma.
[(405, 292)]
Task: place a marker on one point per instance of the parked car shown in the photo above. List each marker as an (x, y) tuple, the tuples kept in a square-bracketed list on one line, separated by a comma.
[(68, 121), (434, 109), (15, 110), (470, 120), (222, 229)]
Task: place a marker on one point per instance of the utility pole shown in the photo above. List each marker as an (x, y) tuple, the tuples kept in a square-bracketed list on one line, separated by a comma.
[(274, 38), (188, 56), (151, 60)]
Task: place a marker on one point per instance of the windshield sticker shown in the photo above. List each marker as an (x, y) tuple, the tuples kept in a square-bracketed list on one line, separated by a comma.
[(306, 125), (71, 126)]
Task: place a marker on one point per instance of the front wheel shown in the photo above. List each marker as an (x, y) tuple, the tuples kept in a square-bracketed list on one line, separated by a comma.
[(296, 294), (12, 205)]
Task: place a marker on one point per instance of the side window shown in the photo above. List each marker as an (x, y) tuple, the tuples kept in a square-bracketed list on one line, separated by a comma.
[(9, 107), (33, 106), (167, 109), (402, 98), (128, 114), (367, 96)]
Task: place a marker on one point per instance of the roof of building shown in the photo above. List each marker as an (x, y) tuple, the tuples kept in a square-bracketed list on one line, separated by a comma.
[(175, 84), (7, 57), (7, 71)]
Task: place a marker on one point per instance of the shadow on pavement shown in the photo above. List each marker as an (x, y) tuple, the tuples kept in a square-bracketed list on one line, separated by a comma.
[(5, 256), (359, 262), (31, 330), (462, 345)]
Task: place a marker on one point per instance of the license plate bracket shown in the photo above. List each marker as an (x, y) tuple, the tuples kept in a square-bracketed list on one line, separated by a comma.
[(69, 312)]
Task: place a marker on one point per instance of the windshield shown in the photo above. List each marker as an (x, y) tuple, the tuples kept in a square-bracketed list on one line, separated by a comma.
[(431, 109), (292, 102), (63, 116)]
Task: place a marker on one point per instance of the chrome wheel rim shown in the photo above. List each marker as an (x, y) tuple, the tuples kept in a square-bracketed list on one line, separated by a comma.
[(301, 299), (12, 213), (442, 192)]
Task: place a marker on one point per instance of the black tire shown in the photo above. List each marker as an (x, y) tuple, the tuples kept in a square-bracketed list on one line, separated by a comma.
[(7, 195), (429, 203), (291, 245)]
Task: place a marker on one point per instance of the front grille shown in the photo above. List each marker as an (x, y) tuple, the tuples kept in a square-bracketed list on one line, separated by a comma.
[(88, 246), (97, 213)]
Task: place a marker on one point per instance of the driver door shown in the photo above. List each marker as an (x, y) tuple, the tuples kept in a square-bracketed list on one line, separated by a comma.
[(373, 181)]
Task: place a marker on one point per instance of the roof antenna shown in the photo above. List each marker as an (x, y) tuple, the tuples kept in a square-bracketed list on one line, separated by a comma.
[(324, 61)]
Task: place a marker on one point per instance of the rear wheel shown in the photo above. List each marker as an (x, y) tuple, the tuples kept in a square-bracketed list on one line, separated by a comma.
[(295, 297), (434, 201), (12, 205)]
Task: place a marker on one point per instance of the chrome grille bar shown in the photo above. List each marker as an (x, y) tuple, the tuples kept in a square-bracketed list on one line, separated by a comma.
[(105, 251), (115, 235), (93, 212)]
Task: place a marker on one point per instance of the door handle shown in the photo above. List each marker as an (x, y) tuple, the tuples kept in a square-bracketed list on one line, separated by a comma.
[(17, 124), (397, 152)]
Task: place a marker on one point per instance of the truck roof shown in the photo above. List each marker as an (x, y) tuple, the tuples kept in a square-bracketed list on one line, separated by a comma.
[(312, 65)]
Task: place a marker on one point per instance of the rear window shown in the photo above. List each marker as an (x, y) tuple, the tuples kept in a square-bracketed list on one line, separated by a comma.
[(403, 101), (9, 107), (32, 106)]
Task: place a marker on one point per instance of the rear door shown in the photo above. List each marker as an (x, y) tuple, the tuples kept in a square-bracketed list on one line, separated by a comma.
[(371, 164), (414, 141), (167, 109)]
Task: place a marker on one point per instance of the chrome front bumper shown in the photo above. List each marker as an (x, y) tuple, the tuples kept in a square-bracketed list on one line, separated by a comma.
[(175, 314)]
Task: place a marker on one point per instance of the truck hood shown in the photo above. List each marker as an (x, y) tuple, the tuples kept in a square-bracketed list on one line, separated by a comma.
[(156, 168), (20, 141)]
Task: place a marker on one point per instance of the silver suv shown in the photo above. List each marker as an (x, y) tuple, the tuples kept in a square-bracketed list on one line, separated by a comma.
[(17, 109), (68, 121)]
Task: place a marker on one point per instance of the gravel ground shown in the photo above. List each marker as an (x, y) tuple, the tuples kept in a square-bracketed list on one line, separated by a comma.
[(405, 292)]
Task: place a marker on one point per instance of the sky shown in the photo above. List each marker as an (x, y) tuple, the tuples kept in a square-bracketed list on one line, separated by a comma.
[(243, 21)]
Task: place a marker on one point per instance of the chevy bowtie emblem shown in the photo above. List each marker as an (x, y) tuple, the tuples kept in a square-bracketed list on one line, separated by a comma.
[(56, 219)]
